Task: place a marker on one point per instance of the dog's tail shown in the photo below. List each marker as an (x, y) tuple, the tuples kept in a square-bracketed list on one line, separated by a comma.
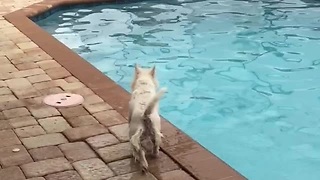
[(154, 101), (150, 130)]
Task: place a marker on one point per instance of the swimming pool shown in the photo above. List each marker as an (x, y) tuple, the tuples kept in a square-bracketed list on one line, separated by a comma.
[(243, 76)]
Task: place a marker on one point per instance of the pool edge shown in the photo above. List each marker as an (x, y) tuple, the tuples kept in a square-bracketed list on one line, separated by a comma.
[(189, 154)]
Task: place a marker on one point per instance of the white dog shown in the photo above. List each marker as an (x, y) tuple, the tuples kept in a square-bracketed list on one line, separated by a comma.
[(144, 119)]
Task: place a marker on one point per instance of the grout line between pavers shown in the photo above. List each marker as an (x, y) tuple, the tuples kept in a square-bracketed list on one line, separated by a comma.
[(24, 174)]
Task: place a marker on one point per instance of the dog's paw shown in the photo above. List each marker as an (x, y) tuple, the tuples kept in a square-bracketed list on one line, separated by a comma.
[(144, 167), (144, 170), (144, 164)]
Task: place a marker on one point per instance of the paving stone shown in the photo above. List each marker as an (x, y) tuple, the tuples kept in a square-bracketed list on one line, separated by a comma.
[(26, 93), (35, 101), (66, 175), (58, 73), (4, 60), (7, 68), (84, 132), (45, 167), (17, 112), (31, 49), (72, 86), (121, 131), (71, 79), (5, 98), (93, 169), (109, 118), (37, 178), (45, 85), (124, 166), (2, 116), (44, 140), (4, 124), (27, 45), (22, 121), (176, 175), (48, 152), (11, 104), (20, 39), (7, 46), (38, 55), (21, 58), (27, 65), (162, 164), (73, 111), (15, 54), (83, 92), (39, 78), (115, 152), (54, 90), (5, 91), (3, 84), (18, 83), (92, 99), (8, 31), (60, 82), (85, 120), (134, 176), (10, 158), (43, 111), (54, 124), (11, 173), (102, 141), (48, 64), (77, 151), (8, 138), (5, 76), (6, 42), (29, 131), (27, 73), (94, 108)]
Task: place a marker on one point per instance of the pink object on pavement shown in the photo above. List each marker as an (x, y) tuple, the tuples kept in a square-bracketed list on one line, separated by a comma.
[(63, 100)]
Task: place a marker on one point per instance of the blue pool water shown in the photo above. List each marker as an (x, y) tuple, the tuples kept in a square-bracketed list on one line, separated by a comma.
[(243, 76)]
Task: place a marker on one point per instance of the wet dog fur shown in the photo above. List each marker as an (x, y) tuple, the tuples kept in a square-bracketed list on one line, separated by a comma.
[(144, 119)]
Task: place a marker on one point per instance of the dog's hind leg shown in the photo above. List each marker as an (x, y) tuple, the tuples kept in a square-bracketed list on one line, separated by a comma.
[(135, 154), (135, 144), (135, 139), (143, 161), (156, 147)]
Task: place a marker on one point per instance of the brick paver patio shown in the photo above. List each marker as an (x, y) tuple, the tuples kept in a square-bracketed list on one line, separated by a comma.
[(87, 142)]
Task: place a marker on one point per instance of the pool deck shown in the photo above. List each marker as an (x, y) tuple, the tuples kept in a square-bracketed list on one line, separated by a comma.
[(88, 141)]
